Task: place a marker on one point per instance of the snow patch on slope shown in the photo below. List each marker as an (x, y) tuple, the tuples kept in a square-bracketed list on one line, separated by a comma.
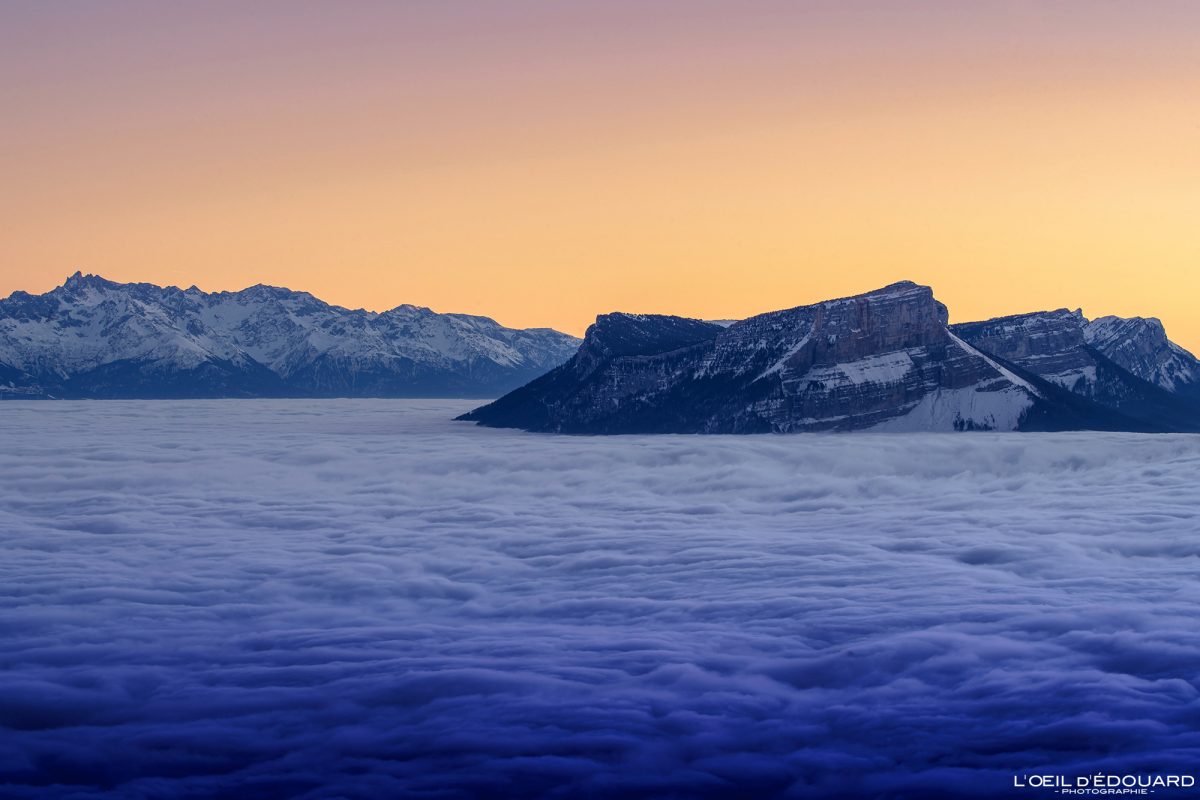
[(963, 409), (1007, 373), (883, 368), (782, 362)]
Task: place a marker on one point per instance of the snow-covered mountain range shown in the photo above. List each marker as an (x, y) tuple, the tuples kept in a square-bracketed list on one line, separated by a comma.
[(885, 360), (92, 337)]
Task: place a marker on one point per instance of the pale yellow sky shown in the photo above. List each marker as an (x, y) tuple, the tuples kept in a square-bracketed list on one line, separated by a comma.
[(542, 164)]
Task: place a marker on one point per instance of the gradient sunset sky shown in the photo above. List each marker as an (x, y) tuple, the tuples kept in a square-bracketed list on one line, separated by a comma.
[(542, 162)]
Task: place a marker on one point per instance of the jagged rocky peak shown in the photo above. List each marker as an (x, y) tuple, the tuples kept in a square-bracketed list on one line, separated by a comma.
[(80, 280), (266, 290), (1144, 333), (84, 281), (1140, 345)]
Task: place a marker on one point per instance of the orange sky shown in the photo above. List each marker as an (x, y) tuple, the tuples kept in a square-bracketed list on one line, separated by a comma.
[(542, 162)]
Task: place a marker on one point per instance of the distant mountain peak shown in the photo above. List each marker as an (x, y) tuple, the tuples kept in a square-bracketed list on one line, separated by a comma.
[(80, 280)]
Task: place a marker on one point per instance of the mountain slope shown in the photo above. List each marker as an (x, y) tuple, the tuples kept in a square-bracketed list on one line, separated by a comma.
[(95, 338), (1140, 345), (1055, 345), (883, 360)]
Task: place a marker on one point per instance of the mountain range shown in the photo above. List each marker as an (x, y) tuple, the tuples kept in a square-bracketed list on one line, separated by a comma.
[(94, 338), (887, 360)]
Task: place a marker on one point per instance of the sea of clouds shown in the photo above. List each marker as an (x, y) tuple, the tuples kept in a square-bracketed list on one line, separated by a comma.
[(364, 599)]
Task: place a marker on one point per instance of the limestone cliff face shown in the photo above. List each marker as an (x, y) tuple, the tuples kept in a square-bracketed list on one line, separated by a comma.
[(1048, 343), (884, 359), (863, 361)]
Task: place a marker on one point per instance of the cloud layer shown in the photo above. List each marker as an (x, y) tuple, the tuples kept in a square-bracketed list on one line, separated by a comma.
[(363, 599)]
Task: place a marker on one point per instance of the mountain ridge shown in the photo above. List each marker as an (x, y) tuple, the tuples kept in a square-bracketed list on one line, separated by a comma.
[(92, 337), (1062, 347), (882, 360)]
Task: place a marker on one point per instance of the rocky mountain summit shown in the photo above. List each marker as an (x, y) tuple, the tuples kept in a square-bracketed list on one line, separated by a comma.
[(92, 337), (1140, 345), (886, 360)]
